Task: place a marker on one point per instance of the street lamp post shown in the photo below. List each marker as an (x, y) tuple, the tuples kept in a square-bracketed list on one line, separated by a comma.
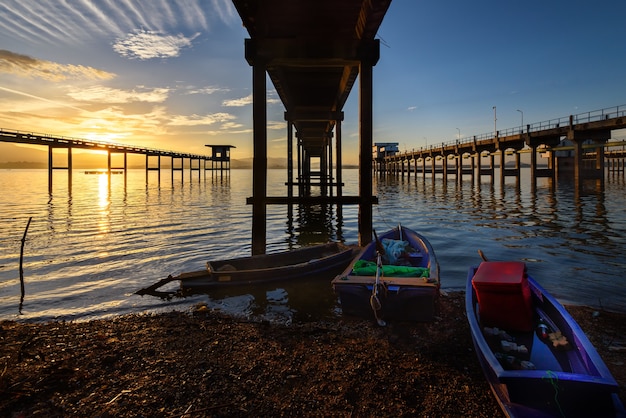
[(459, 137), (522, 119), (495, 127)]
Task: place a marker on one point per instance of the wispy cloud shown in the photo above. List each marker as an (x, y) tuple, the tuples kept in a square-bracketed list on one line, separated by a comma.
[(79, 20), (195, 120), (25, 66), (41, 99), (244, 101), (104, 94), (147, 44), (208, 90)]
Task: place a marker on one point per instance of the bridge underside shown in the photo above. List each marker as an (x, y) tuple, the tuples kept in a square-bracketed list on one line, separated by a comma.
[(313, 53)]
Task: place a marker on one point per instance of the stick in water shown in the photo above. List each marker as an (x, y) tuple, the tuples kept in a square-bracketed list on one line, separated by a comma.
[(21, 260)]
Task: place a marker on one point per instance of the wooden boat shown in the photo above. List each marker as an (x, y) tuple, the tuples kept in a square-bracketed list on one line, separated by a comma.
[(536, 358), (395, 277), (262, 268)]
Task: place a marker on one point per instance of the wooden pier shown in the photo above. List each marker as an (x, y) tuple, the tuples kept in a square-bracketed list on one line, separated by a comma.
[(219, 160)]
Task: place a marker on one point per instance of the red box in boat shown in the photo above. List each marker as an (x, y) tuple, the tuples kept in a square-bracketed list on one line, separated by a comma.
[(503, 294)]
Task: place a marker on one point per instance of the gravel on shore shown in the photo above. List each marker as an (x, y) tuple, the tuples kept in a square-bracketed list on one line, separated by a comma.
[(205, 364)]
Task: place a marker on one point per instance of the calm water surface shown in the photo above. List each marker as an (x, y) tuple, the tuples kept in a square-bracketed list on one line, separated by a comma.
[(92, 245)]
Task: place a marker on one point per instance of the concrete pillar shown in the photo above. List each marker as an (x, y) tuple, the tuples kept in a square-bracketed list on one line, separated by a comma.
[(365, 152), (259, 162), (289, 158), (339, 159)]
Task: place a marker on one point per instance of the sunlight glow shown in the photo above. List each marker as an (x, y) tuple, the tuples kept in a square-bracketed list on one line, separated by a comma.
[(104, 204)]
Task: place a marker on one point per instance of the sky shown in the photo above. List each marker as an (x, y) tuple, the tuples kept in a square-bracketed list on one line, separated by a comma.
[(172, 74)]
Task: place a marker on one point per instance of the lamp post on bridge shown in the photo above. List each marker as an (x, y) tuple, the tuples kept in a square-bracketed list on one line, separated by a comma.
[(522, 119), (459, 137), (495, 127)]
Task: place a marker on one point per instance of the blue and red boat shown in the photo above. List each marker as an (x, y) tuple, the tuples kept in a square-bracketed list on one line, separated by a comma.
[(537, 359)]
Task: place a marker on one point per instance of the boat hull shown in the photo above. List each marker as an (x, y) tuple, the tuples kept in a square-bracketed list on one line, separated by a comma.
[(567, 380), (399, 298), (289, 265)]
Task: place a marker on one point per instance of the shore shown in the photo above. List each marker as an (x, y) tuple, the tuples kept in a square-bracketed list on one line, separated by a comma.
[(206, 364)]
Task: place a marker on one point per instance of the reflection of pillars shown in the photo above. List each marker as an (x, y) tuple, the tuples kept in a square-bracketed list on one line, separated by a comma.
[(423, 167), (259, 161), (365, 152)]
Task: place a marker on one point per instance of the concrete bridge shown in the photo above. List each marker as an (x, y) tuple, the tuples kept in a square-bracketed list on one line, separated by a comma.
[(585, 131)]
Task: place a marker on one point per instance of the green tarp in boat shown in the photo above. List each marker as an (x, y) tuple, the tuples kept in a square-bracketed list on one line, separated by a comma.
[(368, 268)]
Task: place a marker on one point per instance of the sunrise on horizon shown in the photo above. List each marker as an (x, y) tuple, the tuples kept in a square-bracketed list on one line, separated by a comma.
[(173, 76)]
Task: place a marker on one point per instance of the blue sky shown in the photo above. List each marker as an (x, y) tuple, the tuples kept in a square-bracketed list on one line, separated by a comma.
[(172, 74)]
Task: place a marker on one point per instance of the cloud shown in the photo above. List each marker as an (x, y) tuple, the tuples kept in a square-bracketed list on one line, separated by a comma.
[(244, 101), (276, 125), (104, 94), (74, 22), (146, 45), (209, 90), (195, 120), (25, 66)]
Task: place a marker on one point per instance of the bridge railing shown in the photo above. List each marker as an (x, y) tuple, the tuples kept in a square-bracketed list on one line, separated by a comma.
[(101, 144), (585, 117)]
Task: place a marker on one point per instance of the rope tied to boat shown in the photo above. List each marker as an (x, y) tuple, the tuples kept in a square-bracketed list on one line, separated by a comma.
[(374, 300)]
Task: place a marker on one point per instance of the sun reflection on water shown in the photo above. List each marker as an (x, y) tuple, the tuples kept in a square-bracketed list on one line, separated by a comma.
[(104, 205)]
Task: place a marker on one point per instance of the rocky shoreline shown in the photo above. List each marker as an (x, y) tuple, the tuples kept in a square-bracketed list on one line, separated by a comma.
[(206, 364)]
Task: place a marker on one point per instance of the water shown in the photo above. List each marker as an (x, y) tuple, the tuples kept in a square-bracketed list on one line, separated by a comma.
[(92, 245)]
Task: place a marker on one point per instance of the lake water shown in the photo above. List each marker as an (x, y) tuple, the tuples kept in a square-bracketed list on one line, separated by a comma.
[(90, 246)]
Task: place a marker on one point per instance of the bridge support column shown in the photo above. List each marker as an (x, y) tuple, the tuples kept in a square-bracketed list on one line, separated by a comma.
[(502, 167), (366, 75), (259, 162), (339, 157)]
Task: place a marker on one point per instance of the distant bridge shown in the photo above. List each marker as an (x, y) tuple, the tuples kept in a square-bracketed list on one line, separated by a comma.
[(220, 158), (589, 130)]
